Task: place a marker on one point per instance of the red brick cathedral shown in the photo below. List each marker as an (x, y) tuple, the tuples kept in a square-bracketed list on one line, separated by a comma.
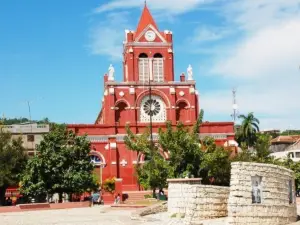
[(148, 60)]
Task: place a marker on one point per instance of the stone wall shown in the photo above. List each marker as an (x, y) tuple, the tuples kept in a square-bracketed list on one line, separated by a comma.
[(195, 201), (206, 202), (261, 194), (178, 191)]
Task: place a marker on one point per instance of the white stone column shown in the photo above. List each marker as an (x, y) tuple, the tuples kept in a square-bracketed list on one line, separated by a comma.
[(151, 69)]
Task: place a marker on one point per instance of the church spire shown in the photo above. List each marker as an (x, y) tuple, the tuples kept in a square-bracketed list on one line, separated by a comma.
[(145, 20)]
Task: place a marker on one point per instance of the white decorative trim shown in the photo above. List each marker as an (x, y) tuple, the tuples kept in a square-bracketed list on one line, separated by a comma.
[(155, 31), (113, 163), (113, 145), (105, 92), (192, 107), (197, 92), (123, 163), (134, 162), (112, 108), (181, 93), (121, 94), (98, 154), (132, 90), (192, 90), (111, 91), (106, 147), (172, 91)]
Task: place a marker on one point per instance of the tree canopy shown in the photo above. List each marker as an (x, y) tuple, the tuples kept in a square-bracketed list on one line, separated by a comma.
[(11, 121), (62, 165), (12, 162), (248, 129), (188, 156)]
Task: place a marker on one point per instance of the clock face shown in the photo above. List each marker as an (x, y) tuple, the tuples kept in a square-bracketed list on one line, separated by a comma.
[(150, 35)]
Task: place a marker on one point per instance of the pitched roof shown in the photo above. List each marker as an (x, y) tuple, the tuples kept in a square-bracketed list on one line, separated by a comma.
[(145, 20), (285, 139)]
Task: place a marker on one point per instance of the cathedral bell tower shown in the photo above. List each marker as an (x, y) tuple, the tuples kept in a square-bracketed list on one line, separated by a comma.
[(148, 64), (148, 52)]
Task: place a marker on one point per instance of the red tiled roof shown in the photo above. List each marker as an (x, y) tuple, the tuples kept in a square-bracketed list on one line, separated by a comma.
[(145, 20), (285, 139)]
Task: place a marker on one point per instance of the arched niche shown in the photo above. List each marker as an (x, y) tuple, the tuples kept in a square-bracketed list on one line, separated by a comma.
[(121, 112), (182, 111)]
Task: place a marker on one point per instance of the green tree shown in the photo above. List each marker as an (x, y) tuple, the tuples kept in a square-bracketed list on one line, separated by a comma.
[(154, 172), (248, 129), (12, 162), (183, 147), (262, 148), (62, 165), (216, 163)]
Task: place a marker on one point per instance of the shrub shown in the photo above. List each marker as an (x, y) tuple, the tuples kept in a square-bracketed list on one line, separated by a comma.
[(109, 185)]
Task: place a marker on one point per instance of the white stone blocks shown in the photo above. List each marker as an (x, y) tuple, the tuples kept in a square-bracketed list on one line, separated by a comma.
[(274, 208)]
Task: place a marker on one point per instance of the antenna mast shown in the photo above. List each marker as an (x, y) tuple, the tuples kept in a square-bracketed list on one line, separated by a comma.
[(234, 115)]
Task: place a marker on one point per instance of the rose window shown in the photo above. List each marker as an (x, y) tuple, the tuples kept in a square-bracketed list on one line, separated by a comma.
[(151, 107), (154, 107)]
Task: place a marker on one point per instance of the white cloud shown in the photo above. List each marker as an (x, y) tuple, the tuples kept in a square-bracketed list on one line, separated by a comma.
[(106, 38), (172, 6), (251, 15), (264, 64), (205, 34)]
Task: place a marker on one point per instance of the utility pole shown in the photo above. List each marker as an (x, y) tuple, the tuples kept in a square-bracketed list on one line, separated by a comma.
[(29, 110), (151, 114), (234, 115)]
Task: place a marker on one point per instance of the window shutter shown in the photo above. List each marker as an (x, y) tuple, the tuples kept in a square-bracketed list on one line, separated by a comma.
[(158, 69)]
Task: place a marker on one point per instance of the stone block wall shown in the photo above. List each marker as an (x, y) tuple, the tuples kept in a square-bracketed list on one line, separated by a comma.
[(195, 201), (206, 202), (275, 202), (179, 190)]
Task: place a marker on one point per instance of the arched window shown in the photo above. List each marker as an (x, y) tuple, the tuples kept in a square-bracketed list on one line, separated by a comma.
[(154, 107), (181, 112), (143, 68), (121, 112), (96, 160), (158, 68)]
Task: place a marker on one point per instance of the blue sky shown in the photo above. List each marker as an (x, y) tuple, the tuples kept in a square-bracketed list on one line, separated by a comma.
[(54, 54)]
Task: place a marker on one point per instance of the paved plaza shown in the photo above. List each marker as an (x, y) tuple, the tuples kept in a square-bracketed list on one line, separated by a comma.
[(99, 215)]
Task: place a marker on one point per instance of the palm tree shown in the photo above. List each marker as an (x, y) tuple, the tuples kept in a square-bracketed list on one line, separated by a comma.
[(248, 129)]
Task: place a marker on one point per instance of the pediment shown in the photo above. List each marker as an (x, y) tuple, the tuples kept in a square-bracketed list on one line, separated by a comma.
[(159, 37)]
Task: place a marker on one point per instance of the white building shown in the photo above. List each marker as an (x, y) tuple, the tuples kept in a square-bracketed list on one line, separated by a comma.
[(292, 152), (31, 134)]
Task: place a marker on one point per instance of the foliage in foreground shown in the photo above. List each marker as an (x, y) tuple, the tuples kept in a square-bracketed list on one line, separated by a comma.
[(62, 165), (187, 156), (12, 162)]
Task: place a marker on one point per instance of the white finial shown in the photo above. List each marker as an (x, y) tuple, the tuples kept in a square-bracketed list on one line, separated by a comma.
[(111, 73), (190, 72)]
